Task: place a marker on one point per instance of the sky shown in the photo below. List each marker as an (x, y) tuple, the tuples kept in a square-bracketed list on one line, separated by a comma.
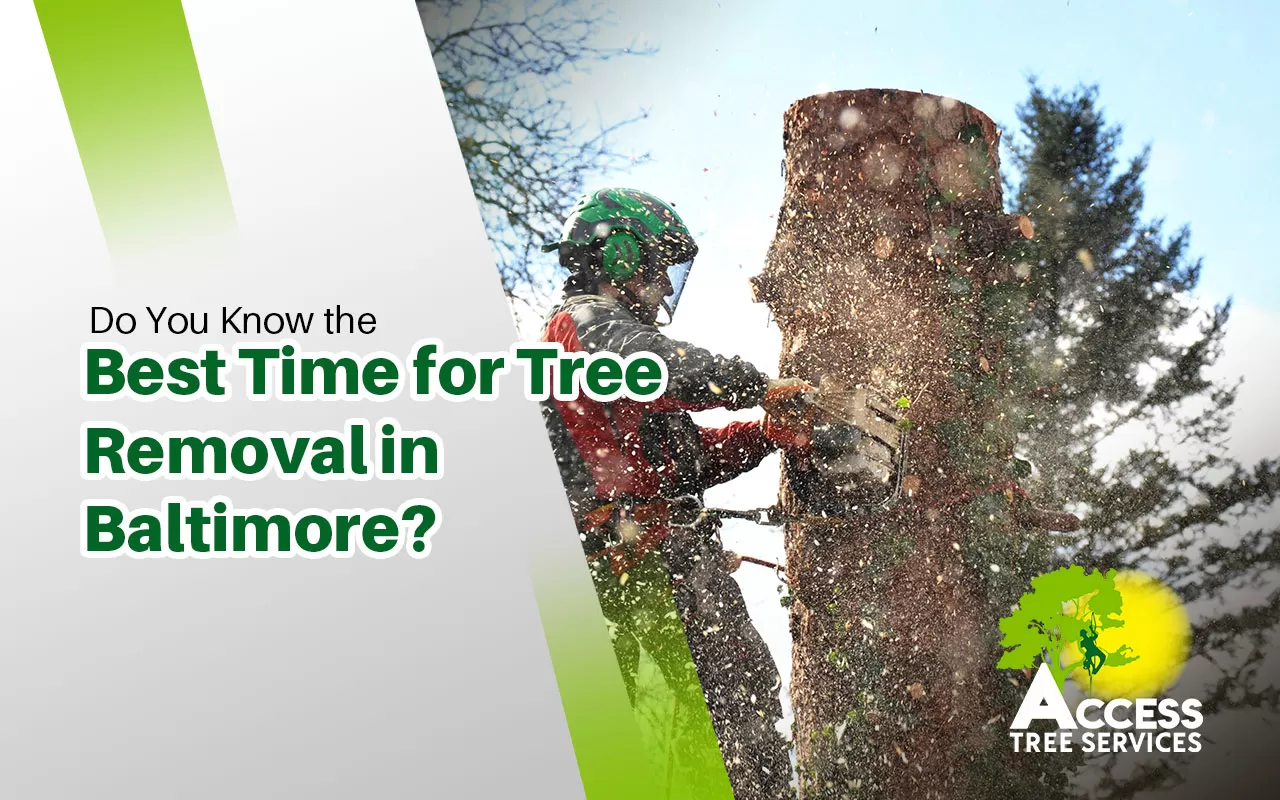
[(1192, 80)]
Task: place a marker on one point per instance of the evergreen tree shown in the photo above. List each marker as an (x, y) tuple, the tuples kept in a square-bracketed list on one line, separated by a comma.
[(1116, 346)]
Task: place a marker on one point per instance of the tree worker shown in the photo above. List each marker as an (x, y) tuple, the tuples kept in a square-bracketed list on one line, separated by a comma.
[(635, 472)]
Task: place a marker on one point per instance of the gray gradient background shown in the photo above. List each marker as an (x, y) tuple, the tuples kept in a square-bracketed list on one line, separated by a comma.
[(272, 678)]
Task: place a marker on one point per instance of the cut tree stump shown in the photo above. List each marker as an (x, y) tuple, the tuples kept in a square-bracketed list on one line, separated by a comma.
[(890, 229)]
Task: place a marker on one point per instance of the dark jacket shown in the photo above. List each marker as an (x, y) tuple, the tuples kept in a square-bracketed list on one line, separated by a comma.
[(630, 450)]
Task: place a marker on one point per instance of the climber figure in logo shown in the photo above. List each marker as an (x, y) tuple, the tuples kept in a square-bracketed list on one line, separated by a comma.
[(1094, 658)]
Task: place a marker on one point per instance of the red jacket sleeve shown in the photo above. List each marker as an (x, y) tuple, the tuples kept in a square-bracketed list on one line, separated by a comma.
[(732, 450)]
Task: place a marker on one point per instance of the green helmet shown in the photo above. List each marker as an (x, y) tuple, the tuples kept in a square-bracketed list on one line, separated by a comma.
[(617, 234)]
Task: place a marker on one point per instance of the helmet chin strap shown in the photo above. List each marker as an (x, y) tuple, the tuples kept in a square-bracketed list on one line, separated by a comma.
[(670, 314)]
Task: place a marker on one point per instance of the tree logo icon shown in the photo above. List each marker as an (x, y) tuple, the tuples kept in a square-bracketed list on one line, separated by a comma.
[(1060, 620)]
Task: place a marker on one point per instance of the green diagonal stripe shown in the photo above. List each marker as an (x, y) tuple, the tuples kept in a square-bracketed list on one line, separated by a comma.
[(129, 80), (646, 753)]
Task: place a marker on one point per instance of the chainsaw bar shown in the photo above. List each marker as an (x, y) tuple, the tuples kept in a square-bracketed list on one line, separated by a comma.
[(772, 516)]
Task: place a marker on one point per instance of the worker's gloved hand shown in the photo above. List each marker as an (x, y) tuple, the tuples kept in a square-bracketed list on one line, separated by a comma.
[(788, 421), (732, 561)]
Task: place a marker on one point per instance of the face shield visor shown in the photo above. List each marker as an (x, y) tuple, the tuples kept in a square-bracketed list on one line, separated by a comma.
[(673, 258), (678, 275)]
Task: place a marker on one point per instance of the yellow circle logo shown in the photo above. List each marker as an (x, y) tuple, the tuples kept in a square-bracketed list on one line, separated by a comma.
[(1157, 632), (1115, 634)]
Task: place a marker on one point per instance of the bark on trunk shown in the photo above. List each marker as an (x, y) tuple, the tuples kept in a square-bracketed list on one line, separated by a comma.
[(890, 228)]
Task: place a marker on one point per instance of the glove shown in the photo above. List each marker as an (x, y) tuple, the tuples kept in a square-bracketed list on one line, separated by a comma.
[(788, 421), (732, 561), (785, 395)]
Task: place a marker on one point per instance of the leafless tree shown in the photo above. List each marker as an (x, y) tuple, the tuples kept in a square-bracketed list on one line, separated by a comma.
[(505, 66)]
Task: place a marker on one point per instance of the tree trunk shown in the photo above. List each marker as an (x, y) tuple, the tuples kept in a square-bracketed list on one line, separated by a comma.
[(890, 248)]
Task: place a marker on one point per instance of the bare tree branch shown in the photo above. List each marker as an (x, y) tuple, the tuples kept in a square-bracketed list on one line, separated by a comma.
[(505, 69)]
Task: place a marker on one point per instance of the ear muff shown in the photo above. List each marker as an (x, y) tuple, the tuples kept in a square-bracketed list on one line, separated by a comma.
[(621, 255)]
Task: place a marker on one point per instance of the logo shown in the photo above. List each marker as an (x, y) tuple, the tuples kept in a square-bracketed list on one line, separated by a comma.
[(1123, 640)]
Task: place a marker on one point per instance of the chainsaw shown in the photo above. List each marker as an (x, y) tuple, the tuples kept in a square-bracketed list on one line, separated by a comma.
[(852, 468), (855, 460)]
